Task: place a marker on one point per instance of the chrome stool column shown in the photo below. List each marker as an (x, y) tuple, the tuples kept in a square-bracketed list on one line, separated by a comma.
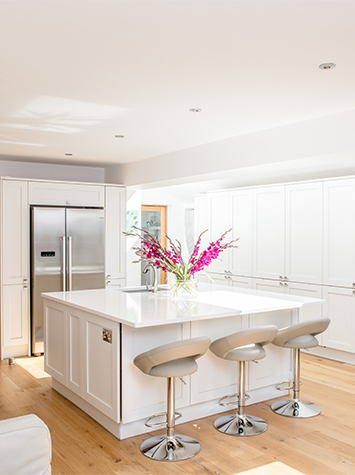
[(301, 335), (170, 361), (242, 346)]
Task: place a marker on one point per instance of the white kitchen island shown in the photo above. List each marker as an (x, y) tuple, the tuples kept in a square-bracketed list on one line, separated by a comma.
[(92, 337)]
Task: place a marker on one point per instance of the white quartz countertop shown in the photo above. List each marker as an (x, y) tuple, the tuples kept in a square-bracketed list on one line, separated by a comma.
[(144, 309)]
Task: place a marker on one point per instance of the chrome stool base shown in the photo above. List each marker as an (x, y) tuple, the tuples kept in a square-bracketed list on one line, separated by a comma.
[(296, 408), (240, 425), (170, 449)]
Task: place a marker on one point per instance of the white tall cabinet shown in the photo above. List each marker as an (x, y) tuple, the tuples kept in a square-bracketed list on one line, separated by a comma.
[(14, 267), (16, 198), (296, 238)]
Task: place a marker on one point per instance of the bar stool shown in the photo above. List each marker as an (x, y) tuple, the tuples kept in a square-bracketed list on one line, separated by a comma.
[(243, 346), (301, 335), (169, 361)]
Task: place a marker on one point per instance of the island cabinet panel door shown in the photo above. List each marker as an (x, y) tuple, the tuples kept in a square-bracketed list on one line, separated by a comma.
[(101, 376), (215, 376), (269, 232), (303, 248), (340, 308), (339, 233), (144, 395), (55, 341), (277, 364), (75, 351)]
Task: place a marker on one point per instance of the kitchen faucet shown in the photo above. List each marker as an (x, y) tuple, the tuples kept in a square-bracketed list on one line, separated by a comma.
[(154, 287)]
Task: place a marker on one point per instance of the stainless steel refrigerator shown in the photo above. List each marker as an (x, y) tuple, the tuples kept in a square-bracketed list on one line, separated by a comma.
[(67, 253)]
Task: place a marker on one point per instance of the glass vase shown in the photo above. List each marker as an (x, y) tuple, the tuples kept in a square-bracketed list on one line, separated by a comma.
[(186, 287)]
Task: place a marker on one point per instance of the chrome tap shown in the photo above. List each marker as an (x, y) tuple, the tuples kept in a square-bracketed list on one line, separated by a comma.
[(154, 287)]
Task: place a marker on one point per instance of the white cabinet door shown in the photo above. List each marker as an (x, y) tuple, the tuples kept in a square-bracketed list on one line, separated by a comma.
[(115, 224), (101, 378), (241, 281), (14, 232), (339, 232), (310, 312), (144, 395), (115, 283), (220, 223), (241, 261), (340, 308), (202, 219), (66, 194), (75, 348), (303, 248), (269, 285), (215, 376), (15, 315), (55, 352), (269, 232), (277, 365)]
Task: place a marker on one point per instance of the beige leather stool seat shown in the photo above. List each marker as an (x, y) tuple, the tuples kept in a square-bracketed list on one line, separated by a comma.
[(242, 346), (301, 335), (169, 361)]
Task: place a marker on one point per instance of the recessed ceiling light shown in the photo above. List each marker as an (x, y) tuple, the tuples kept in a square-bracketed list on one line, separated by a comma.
[(68, 154), (195, 110), (119, 136), (327, 65)]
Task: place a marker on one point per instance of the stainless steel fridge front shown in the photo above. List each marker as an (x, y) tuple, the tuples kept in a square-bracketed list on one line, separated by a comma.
[(67, 253)]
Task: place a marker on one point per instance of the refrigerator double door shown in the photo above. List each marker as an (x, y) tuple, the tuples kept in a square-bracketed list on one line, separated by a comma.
[(67, 253)]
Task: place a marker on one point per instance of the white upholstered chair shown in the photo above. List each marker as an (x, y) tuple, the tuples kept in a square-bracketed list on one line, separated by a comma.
[(25, 446)]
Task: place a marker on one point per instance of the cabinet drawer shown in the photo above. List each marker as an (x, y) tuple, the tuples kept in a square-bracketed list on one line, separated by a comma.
[(66, 194)]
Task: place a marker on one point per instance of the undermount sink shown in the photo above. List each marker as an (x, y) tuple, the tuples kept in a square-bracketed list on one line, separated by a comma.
[(135, 291), (138, 290)]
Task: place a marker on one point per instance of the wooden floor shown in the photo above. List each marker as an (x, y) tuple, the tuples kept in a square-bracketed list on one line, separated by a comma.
[(324, 445)]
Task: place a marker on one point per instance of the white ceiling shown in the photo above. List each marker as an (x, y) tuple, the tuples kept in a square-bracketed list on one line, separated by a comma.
[(73, 74)]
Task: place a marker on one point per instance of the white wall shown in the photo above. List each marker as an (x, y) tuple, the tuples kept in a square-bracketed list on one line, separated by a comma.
[(307, 144), (47, 171)]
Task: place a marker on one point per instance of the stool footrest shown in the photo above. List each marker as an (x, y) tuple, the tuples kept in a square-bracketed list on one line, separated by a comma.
[(223, 401), (148, 422), (287, 385)]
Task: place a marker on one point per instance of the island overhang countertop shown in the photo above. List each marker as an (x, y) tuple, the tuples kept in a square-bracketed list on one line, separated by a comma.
[(138, 308)]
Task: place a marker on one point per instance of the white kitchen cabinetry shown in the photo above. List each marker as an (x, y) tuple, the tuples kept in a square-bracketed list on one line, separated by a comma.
[(115, 224), (339, 233), (241, 259), (303, 238), (16, 198), (269, 232), (15, 326), (143, 395), (83, 354), (14, 232), (295, 288), (14, 269), (202, 219), (219, 224), (66, 194), (340, 308)]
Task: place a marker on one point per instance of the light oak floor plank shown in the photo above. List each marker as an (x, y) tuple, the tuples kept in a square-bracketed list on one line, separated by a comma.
[(323, 445)]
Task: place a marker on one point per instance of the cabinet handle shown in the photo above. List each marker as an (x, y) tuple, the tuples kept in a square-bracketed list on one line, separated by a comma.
[(108, 282), (286, 283), (108, 276), (281, 283), (226, 277), (25, 283), (280, 277), (285, 277)]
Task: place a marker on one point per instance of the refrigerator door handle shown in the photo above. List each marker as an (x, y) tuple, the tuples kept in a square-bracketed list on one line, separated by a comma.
[(70, 280), (64, 273)]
